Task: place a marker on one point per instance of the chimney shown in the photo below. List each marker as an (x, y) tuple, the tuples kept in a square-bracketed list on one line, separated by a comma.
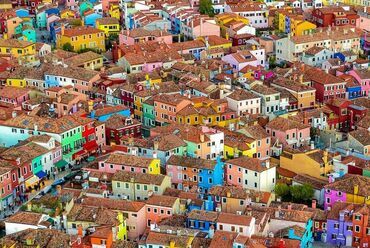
[(62, 29), (314, 204), (201, 137), (267, 162), (79, 230), (305, 118)]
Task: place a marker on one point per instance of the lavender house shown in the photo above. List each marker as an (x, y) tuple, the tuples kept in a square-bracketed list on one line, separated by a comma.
[(339, 224)]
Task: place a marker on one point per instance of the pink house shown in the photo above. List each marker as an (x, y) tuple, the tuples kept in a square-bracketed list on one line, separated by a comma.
[(244, 58), (200, 27), (364, 21), (263, 140), (131, 37), (6, 188), (363, 77), (13, 96), (124, 162), (289, 132), (71, 4)]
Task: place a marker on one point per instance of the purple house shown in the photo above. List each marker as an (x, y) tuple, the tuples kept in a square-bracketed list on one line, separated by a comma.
[(339, 224), (332, 195)]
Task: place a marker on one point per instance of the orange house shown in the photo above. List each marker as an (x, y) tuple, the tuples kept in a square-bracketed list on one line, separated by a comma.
[(102, 237), (167, 106), (159, 207)]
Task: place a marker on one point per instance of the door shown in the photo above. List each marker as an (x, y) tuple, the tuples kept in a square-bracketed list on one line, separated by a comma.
[(349, 240)]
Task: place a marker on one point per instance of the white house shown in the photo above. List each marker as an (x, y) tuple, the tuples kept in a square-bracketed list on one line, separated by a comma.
[(270, 99), (251, 173), (244, 102), (315, 56), (255, 12), (239, 223), (24, 220)]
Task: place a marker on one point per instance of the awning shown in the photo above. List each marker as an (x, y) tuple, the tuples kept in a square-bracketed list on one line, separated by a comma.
[(61, 163), (41, 174), (31, 181), (78, 154)]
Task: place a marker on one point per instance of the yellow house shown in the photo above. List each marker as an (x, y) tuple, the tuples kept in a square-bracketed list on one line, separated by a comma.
[(225, 18), (114, 11), (18, 49), (237, 144), (139, 186), (301, 27), (82, 37), (352, 188), (314, 163), (209, 112), (78, 219), (213, 41), (109, 25), (67, 13), (87, 60)]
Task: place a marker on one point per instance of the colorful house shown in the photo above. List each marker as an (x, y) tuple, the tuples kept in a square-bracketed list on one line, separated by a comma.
[(119, 161), (159, 207), (103, 114), (24, 50), (263, 139), (118, 126), (90, 18), (315, 163), (109, 25), (250, 173), (363, 77), (202, 220), (289, 132), (349, 189), (138, 186), (187, 173), (82, 37)]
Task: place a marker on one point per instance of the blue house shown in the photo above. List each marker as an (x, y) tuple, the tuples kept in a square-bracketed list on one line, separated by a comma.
[(22, 12), (304, 235), (353, 90), (201, 172), (201, 220), (104, 113), (90, 18)]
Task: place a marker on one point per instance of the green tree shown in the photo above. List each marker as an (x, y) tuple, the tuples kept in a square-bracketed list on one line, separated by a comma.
[(302, 193), (206, 8), (67, 47), (282, 190)]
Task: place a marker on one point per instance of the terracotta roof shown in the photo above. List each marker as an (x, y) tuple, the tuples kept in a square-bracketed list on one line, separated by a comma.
[(128, 160), (236, 219), (348, 183), (162, 200), (141, 178), (253, 164), (362, 136), (223, 239), (81, 30), (43, 238), (316, 183), (157, 238), (264, 90), (109, 110), (203, 215), (80, 59), (100, 216), (241, 95), (14, 43), (314, 50), (283, 124), (107, 21), (26, 153), (240, 193), (142, 32), (285, 173), (13, 92), (113, 204), (117, 121), (298, 231), (292, 215), (198, 163), (256, 132), (26, 218)]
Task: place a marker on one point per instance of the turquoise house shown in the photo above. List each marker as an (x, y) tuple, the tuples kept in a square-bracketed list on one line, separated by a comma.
[(90, 18), (28, 33), (304, 235), (84, 6), (22, 12), (41, 19), (148, 116)]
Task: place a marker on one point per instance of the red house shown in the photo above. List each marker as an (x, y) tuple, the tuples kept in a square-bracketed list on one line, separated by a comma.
[(128, 92), (6, 188), (334, 16), (327, 86), (340, 107), (118, 126), (90, 145)]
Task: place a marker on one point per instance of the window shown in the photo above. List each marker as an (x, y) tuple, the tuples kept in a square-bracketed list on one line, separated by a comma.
[(221, 227), (357, 228), (334, 236), (336, 225), (148, 210), (357, 217), (349, 228)]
